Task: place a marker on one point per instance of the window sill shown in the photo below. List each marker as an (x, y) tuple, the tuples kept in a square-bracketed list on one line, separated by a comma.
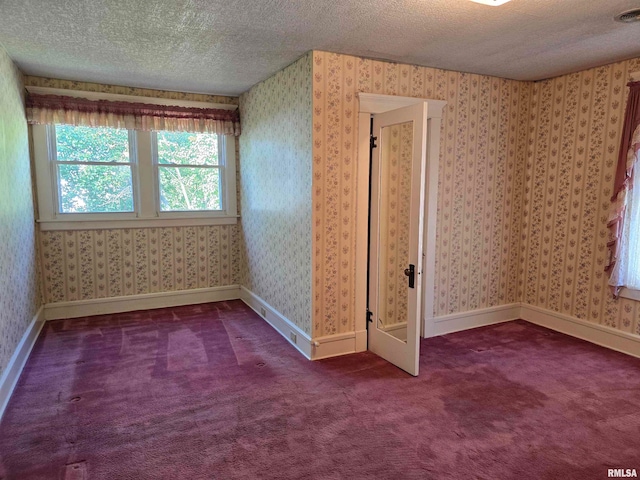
[(183, 221), (631, 294)]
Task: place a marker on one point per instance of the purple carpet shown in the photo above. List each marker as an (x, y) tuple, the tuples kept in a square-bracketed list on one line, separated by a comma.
[(213, 392)]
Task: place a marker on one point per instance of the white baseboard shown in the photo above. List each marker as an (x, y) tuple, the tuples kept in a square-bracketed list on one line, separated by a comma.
[(456, 322), (279, 322), (361, 340), (130, 303), (591, 332), (313, 349), (340, 344), (12, 372)]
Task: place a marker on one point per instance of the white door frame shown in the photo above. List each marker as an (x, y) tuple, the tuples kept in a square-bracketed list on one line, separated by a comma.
[(371, 103)]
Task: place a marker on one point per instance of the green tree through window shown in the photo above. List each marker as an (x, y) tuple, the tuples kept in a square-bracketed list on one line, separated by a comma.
[(94, 170), (189, 171)]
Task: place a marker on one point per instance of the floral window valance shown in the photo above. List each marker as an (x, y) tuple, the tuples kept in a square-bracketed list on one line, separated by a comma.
[(51, 109)]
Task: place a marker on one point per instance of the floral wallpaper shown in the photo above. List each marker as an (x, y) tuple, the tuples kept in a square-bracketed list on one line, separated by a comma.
[(576, 126), (19, 299), (394, 204), (525, 173), (275, 186), (88, 264), (484, 144)]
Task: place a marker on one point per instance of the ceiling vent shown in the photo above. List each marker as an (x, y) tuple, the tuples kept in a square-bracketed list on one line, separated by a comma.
[(629, 16)]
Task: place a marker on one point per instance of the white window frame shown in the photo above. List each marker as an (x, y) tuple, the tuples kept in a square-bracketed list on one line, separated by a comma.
[(145, 188), (630, 293), (228, 195)]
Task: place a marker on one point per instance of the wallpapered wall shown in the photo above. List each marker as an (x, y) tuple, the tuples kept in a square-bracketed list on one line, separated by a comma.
[(484, 134), (525, 174), (576, 125), (88, 264), (19, 299), (275, 183)]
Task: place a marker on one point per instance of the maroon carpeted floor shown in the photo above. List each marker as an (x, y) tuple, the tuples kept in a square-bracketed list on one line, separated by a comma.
[(213, 392)]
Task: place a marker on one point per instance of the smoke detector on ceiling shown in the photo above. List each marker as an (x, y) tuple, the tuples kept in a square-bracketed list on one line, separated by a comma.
[(629, 16)]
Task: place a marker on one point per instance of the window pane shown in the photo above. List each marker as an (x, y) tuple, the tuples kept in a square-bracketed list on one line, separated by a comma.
[(185, 148), (186, 188), (95, 188), (88, 144)]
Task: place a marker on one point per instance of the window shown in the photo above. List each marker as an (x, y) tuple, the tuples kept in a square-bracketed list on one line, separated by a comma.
[(93, 170), (624, 219), (629, 263), (189, 171), (101, 177)]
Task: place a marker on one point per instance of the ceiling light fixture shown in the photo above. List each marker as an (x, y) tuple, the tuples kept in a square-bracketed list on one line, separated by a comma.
[(493, 3), (629, 16)]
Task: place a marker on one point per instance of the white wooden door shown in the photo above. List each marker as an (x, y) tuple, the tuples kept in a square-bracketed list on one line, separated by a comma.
[(397, 215)]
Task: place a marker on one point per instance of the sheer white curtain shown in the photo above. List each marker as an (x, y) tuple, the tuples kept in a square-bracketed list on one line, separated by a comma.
[(627, 269), (624, 222)]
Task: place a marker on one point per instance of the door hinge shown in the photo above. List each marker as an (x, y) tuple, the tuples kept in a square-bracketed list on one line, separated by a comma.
[(369, 315), (372, 142)]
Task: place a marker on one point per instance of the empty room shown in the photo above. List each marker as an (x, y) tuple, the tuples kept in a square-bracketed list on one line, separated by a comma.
[(337, 239)]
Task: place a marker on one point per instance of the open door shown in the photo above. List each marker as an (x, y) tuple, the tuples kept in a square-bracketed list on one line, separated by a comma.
[(397, 215)]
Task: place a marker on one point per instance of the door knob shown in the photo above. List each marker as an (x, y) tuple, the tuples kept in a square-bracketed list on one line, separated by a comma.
[(411, 273)]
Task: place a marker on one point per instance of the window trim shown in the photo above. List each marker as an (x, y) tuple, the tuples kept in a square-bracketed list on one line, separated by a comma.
[(630, 293), (145, 189)]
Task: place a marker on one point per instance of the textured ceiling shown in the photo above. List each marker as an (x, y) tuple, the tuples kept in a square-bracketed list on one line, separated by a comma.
[(225, 47)]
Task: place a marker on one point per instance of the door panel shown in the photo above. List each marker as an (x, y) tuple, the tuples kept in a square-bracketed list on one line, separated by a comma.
[(397, 199)]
